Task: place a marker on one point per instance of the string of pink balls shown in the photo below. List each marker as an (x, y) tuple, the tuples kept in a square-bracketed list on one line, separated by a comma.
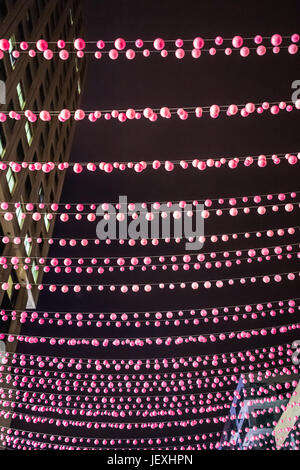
[(196, 47), (152, 115)]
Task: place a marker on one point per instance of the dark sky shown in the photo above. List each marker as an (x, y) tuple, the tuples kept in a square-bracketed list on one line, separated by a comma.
[(157, 82)]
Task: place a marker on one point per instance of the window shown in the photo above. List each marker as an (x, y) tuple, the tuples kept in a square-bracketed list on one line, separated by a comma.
[(47, 81), (71, 17), (28, 187), (34, 271), (41, 194), (56, 179), (52, 154), (28, 131), (2, 142), (20, 152), (12, 44), (28, 77), (42, 94), (3, 75), (56, 95), (47, 222), (19, 214), (42, 145), (27, 244), (11, 180), (21, 95), (10, 287)]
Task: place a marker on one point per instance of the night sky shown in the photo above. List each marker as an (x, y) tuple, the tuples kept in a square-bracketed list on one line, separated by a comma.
[(158, 82)]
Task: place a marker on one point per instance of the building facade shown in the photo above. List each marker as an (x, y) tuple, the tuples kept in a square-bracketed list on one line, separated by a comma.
[(260, 421), (35, 84)]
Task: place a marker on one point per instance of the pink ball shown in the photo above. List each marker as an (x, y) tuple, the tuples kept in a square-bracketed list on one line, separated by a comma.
[(165, 112), (295, 38), (233, 212), (275, 109), (42, 45), (237, 41), (276, 40), (292, 49), (198, 43), (64, 217), (179, 43), (250, 107), (196, 53), (245, 51), (79, 44), (148, 112), (79, 115), (159, 44), (77, 168), (64, 54), (61, 44), (179, 53), (130, 54), (100, 44), (261, 50), (258, 39), (48, 54), (65, 114), (113, 54), (292, 160), (45, 116), (233, 109), (169, 166), (289, 207), (130, 113), (219, 41), (4, 45), (139, 43), (214, 111), (261, 210), (8, 216), (198, 112), (122, 117), (232, 164), (108, 167), (120, 44)]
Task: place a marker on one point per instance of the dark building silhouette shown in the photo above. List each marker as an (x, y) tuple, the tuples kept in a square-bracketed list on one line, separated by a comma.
[(34, 84)]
